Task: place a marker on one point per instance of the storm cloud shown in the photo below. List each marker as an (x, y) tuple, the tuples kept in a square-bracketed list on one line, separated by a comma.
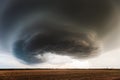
[(74, 28)]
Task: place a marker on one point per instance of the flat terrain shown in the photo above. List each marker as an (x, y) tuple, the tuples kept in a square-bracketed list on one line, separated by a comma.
[(59, 74)]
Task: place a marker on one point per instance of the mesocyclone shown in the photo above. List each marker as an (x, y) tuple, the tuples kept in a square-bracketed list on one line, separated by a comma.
[(33, 27)]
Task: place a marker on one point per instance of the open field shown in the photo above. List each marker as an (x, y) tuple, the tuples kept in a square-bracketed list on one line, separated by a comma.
[(60, 74)]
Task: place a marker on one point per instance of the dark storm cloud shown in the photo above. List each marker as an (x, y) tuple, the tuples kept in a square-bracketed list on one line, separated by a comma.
[(63, 27), (81, 45)]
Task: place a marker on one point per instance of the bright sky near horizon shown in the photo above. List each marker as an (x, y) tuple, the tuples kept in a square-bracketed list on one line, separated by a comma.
[(56, 61)]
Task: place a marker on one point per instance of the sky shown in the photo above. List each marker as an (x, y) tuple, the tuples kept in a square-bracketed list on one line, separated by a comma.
[(8, 61), (109, 57)]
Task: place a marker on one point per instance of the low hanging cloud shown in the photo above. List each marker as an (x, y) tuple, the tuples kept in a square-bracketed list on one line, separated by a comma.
[(8, 61)]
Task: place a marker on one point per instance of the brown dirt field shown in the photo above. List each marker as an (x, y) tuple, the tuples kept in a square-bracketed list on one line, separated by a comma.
[(60, 74)]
